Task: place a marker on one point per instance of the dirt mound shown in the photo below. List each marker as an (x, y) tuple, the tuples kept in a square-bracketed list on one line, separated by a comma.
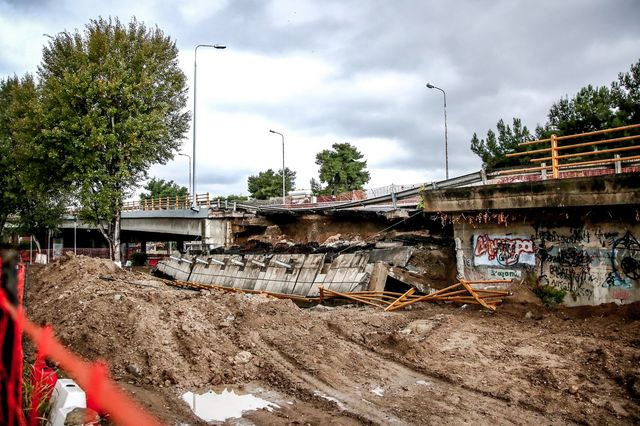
[(347, 365), (149, 332)]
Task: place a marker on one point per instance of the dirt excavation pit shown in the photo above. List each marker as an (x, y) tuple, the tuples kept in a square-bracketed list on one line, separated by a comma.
[(431, 364)]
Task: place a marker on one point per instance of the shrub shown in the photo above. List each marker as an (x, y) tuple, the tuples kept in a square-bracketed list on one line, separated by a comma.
[(139, 258), (549, 295)]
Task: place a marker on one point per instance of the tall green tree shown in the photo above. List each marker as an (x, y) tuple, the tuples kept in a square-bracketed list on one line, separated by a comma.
[(342, 168), (493, 149), (626, 95), (269, 183), (316, 188), (9, 184), (113, 100), (592, 108), (161, 188), (33, 203)]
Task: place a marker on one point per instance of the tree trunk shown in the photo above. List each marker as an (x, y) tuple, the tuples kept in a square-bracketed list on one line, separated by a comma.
[(114, 238), (35, 240)]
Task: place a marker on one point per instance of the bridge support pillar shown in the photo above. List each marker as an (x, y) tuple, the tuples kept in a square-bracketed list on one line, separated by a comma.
[(217, 232)]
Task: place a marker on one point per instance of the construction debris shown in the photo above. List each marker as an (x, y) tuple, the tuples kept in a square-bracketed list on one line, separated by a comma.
[(461, 292)]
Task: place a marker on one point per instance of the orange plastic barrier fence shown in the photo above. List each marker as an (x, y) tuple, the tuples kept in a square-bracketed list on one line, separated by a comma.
[(103, 394)]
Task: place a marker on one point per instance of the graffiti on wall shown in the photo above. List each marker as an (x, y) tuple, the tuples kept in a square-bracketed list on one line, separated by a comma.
[(503, 250), (504, 274), (592, 263), (625, 262), (573, 236), (569, 269)]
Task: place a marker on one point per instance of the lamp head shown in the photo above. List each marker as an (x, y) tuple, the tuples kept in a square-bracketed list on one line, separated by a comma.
[(271, 131), (430, 86), (219, 46)]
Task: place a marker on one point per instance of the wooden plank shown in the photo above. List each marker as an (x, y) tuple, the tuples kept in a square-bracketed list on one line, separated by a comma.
[(475, 295), (401, 298), (347, 296), (424, 298)]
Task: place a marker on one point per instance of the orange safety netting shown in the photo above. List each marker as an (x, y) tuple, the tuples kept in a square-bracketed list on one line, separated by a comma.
[(103, 395)]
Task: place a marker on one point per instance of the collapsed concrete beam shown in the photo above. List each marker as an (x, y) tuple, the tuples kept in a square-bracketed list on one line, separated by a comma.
[(418, 281)]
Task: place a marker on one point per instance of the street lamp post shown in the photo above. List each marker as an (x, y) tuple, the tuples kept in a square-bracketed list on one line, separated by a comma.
[(189, 157), (283, 170), (446, 142), (195, 81)]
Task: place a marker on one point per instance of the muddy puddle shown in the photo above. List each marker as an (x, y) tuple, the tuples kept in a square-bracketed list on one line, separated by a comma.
[(221, 404)]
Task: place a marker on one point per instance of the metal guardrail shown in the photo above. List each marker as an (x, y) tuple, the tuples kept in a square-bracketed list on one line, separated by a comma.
[(467, 179), (206, 201), (556, 158)]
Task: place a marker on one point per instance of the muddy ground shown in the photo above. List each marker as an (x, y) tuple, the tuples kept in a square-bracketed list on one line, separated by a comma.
[(433, 364)]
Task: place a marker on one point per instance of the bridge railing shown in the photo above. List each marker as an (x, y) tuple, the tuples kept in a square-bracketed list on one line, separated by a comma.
[(206, 200), (160, 203), (172, 203), (555, 154)]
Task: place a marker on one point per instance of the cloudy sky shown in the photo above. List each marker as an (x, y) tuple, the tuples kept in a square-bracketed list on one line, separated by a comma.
[(355, 71)]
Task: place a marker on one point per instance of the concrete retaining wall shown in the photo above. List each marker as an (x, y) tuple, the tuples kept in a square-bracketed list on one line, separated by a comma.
[(178, 269), (594, 262)]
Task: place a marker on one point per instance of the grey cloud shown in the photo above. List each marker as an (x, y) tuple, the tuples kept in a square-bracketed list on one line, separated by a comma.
[(219, 177), (495, 50), (495, 59)]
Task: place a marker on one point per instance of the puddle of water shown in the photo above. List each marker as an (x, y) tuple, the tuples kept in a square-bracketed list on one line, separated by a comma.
[(339, 403), (219, 407), (377, 391)]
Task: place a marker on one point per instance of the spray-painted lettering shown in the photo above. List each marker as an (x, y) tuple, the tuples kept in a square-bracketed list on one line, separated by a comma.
[(625, 262), (503, 250)]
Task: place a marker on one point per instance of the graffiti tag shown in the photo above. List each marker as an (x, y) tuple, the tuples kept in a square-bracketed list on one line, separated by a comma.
[(575, 235), (503, 250), (569, 267), (505, 273), (625, 262)]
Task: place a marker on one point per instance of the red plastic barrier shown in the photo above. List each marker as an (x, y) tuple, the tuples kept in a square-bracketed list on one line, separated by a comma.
[(103, 395)]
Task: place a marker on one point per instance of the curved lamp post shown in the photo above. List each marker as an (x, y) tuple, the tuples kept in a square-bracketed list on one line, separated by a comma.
[(446, 142), (283, 170), (195, 82)]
